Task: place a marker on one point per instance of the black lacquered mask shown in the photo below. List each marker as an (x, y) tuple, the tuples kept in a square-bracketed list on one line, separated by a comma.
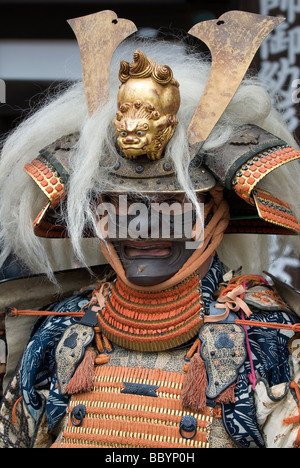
[(153, 237)]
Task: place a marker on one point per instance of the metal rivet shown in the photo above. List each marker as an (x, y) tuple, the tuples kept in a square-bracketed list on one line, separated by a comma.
[(167, 166), (139, 169)]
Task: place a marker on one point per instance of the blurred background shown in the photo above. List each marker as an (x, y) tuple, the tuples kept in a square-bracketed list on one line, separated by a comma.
[(38, 51)]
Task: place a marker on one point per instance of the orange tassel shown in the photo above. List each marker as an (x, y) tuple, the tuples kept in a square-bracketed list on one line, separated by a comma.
[(195, 384), (227, 396), (82, 379)]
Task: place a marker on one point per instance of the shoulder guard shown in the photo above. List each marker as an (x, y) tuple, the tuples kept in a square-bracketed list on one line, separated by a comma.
[(50, 170), (266, 299), (248, 145), (244, 160)]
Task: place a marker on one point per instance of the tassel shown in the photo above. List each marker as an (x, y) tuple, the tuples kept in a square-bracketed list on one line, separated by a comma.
[(82, 379), (195, 384), (227, 396)]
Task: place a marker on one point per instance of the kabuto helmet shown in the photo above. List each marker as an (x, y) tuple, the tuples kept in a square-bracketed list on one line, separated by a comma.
[(146, 121)]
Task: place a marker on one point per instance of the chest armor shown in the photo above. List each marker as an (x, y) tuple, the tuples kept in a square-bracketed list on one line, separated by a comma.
[(136, 402)]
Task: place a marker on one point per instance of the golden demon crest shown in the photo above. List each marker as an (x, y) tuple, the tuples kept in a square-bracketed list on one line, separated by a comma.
[(148, 101)]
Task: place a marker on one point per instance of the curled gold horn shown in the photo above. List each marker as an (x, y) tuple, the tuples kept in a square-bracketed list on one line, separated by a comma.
[(124, 71), (141, 66), (162, 74)]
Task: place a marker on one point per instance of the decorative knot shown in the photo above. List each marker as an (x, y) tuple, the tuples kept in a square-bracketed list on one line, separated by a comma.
[(99, 297), (230, 302), (102, 293), (14, 311)]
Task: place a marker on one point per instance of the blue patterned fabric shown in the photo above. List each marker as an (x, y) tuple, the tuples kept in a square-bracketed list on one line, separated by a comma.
[(38, 364), (211, 281), (270, 356)]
